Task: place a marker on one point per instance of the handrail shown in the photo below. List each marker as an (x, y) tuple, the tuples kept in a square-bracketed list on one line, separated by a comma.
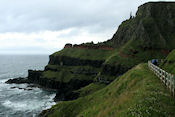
[(165, 77)]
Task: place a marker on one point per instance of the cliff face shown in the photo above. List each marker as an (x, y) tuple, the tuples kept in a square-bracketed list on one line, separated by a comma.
[(70, 61), (153, 26), (64, 81)]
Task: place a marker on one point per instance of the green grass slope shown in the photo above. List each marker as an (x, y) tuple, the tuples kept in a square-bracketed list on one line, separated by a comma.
[(89, 89), (131, 54), (137, 93), (90, 54), (169, 63)]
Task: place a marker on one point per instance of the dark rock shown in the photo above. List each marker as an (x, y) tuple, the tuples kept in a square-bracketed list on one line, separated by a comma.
[(29, 89), (67, 95), (34, 75), (114, 70), (13, 87), (64, 90), (68, 45), (21, 88), (17, 81)]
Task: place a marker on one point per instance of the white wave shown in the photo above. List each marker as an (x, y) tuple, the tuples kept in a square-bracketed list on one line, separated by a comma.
[(30, 105), (15, 105)]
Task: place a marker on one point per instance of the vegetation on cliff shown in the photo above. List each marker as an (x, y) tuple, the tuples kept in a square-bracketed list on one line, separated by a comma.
[(87, 54), (66, 73), (169, 63)]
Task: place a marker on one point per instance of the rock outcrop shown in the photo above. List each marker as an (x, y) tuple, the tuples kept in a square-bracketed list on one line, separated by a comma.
[(89, 46), (18, 81), (153, 26)]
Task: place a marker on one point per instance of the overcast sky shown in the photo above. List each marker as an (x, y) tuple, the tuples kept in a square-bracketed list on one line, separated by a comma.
[(45, 26)]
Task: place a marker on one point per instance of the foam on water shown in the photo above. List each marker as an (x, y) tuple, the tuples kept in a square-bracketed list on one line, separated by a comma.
[(30, 105)]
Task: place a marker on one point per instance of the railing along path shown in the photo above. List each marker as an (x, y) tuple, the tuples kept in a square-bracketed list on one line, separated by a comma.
[(165, 77)]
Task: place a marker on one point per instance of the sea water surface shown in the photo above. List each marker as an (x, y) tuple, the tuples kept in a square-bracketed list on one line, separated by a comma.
[(18, 102)]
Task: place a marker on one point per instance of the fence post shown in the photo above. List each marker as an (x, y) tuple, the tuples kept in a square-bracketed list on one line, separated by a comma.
[(161, 75), (169, 81), (173, 85)]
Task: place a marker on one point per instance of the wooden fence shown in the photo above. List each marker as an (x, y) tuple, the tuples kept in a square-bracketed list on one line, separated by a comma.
[(165, 77)]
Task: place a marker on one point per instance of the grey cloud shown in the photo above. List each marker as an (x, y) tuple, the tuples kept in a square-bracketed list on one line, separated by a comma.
[(27, 17), (39, 15)]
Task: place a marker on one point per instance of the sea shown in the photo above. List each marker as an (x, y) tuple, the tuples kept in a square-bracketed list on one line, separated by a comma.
[(21, 100)]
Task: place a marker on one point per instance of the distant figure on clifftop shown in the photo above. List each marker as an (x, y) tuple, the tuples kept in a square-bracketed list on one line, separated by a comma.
[(131, 15)]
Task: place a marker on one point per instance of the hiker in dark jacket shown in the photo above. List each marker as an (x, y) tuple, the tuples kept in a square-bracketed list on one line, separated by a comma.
[(155, 61)]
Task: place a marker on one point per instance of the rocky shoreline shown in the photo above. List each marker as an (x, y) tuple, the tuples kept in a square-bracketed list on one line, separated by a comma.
[(64, 91)]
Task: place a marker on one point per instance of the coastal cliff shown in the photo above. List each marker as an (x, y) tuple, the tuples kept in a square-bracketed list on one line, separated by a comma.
[(150, 34), (79, 70)]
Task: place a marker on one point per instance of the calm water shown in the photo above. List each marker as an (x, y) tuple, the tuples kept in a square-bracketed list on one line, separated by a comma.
[(15, 102)]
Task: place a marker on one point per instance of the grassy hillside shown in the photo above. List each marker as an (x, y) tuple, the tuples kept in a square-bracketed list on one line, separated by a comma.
[(89, 89), (91, 54), (131, 54), (169, 63), (137, 93)]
